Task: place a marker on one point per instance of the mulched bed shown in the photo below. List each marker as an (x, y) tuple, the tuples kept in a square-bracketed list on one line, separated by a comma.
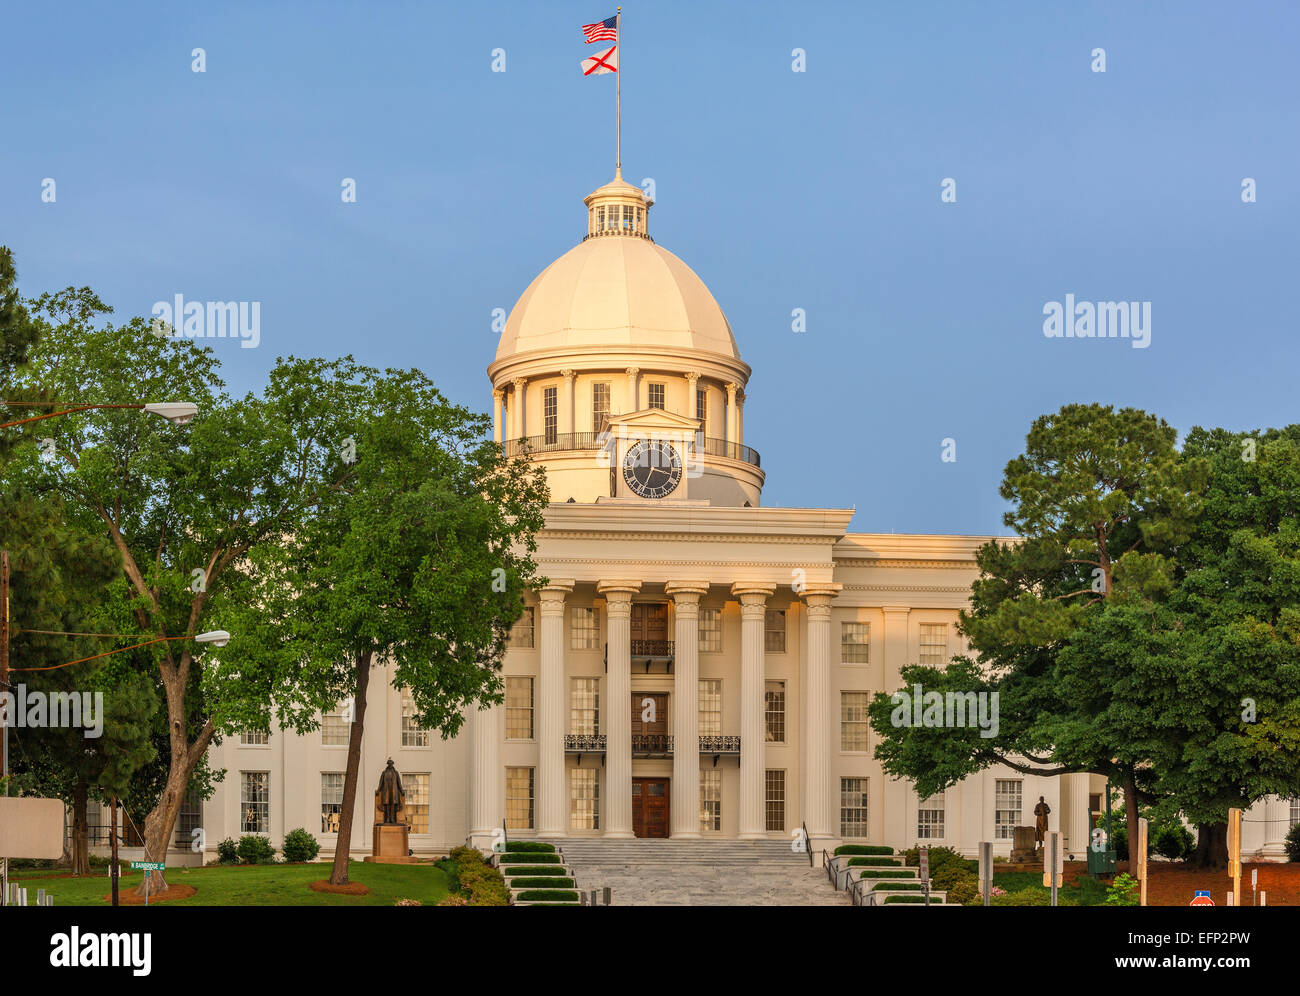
[(127, 897), (1173, 883), (351, 889)]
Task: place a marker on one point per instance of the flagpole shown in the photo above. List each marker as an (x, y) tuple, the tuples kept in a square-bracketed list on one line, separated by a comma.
[(618, 98)]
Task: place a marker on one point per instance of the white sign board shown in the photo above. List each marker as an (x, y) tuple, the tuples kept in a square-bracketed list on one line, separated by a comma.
[(31, 828)]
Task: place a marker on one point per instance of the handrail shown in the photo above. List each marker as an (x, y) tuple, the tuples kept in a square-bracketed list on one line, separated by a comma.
[(832, 873), (807, 842)]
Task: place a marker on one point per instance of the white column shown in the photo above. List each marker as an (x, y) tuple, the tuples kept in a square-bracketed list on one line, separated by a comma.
[(618, 708), (566, 411), (1074, 820), (731, 414), (518, 424), (753, 752), (888, 804), (485, 775), (740, 417), (822, 718), (685, 807), (633, 402), (496, 415), (551, 792)]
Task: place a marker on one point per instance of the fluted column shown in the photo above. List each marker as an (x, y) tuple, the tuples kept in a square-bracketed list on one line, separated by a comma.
[(633, 402), (617, 718), (496, 415), (485, 775), (889, 805), (1074, 790), (518, 423), (731, 413), (550, 712), (566, 411), (740, 417), (822, 721), (753, 750), (685, 807)]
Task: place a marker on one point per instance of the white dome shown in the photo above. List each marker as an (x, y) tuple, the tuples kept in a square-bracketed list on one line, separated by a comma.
[(618, 292)]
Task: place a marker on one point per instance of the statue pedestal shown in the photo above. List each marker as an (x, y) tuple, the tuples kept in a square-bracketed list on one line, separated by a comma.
[(392, 844), (1024, 845)]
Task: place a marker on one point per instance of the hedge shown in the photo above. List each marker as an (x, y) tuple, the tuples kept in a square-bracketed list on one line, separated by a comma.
[(542, 895), (528, 858), (863, 849), (481, 881), (910, 899), (513, 846), (541, 883), (510, 871), (897, 886), (892, 874), (873, 863)]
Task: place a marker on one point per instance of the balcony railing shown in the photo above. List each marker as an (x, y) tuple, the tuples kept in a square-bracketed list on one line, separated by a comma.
[(557, 442), (652, 648), (648, 744)]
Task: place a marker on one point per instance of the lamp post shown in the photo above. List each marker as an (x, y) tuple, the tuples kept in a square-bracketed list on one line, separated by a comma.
[(176, 412)]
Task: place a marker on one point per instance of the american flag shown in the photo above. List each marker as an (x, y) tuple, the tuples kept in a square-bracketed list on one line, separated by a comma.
[(606, 30)]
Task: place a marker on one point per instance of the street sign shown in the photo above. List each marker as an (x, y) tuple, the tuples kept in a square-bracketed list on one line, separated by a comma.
[(1202, 898), (923, 854), (149, 866)]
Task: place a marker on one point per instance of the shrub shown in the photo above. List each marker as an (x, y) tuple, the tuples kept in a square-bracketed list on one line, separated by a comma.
[(940, 857), (948, 875), (512, 870), (964, 889), (452, 870), (482, 882), (515, 846), (904, 899), (525, 858), (873, 862), (1123, 891), (1174, 841), (1292, 843), (255, 849), (1032, 896), (896, 887), (863, 849), (541, 883), (454, 899), (544, 895), (300, 846), (227, 852), (890, 874)]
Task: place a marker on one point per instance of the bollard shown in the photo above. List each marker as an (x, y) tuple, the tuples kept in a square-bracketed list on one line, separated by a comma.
[(609, 896)]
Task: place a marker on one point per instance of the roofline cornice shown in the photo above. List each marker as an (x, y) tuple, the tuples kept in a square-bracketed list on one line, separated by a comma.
[(616, 359)]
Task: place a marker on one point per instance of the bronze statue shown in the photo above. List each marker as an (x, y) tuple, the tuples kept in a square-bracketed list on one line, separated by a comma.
[(391, 796), (1040, 818)]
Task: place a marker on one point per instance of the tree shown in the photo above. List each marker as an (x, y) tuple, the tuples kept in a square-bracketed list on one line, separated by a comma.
[(1100, 498), (182, 506), (418, 558)]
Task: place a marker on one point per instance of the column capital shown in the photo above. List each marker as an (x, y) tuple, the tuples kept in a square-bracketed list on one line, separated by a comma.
[(618, 595), (497, 394), (632, 371), (686, 596), (693, 376), (568, 374), (818, 598), (551, 596), (755, 589), (732, 388)]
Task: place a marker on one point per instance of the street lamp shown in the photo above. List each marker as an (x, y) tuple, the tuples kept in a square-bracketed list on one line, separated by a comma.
[(176, 412)]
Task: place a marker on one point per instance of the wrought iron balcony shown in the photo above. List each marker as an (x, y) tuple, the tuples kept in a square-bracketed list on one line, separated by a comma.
[(652, 744), (652, 648), (556, 442), (585, 743), (719, 745)]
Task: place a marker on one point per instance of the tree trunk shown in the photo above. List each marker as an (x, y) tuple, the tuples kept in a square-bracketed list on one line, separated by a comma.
[(1211, 845), (339, 873), (1131, 817), (80, 832)]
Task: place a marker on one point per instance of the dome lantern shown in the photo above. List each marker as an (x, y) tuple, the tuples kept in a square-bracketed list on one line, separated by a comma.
[(618, 208)]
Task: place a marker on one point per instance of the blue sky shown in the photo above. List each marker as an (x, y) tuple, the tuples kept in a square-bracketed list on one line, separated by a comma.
[(817, 190)]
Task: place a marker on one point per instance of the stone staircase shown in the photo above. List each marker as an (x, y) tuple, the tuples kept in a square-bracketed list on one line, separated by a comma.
[(651, 872)]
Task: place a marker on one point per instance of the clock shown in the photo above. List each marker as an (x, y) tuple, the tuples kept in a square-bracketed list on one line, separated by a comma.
[(652, 469)]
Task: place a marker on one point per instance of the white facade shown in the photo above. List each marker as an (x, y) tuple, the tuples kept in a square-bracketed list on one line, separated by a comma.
[(747, 638)]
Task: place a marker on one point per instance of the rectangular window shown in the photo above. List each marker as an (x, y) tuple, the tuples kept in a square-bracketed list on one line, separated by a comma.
[(855, 643), (519, 798), (929, 818), (934, 644), (710, 707), (584, 799), (585, 628), (710, 799), (584, 706), (255, 802), (412, 735), (774, 631), (334, 729), (774, 711), (1006, 807), (551, 413), (521, 633), (189, 819), (331, 800), (627, 217), (1295, 811), (656, 395), (600, 218), (853, 720), (416, 802), (853, 807), (710, 631), (599, 407), (254, 738), (702, 409), (775, 800), (519, 708)]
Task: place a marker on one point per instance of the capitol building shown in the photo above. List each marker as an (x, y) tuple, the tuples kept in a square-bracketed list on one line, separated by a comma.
[(698, 665)]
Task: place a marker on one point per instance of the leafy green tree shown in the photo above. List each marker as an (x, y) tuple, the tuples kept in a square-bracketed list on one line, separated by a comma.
[(1100, 499), (419, 559)]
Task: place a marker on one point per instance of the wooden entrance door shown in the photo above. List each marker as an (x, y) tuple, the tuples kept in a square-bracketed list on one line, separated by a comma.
[(650, 807), (649, 628)]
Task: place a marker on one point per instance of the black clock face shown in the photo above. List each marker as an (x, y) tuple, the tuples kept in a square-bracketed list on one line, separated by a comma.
[(652, 469)]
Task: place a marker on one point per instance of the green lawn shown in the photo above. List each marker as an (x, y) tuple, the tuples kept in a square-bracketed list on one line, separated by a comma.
[(1086, 891), (256, 885)]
